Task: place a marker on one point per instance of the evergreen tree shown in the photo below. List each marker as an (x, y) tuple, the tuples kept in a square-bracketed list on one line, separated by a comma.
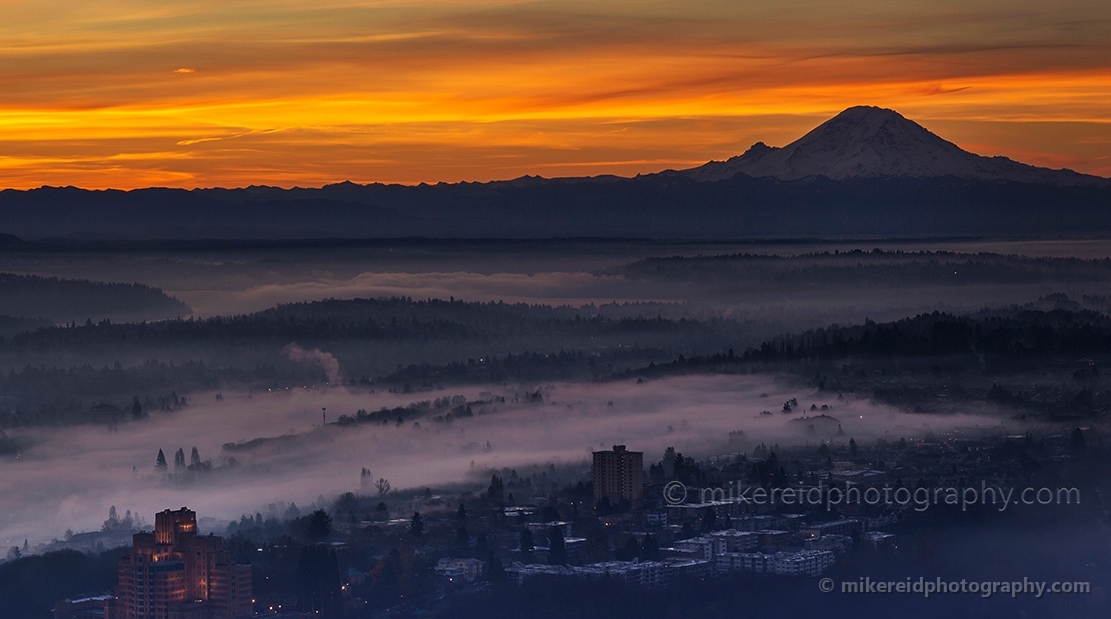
[(526, 541), (650, 549), (668, 462), (709, 520), (416, 526), (497, 488), (160, 461), (136, 409), (557, 550), (496, 571), (318, 525), (179, 458), (687, 531), (1076, 441), (318, 581), (630, 551)]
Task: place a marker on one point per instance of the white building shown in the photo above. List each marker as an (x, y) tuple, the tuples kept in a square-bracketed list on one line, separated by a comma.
[(467, 569), (544, 529), (880, 540), (642, 573), (837, 544), (737, 541), (806, 562), (704, 548)]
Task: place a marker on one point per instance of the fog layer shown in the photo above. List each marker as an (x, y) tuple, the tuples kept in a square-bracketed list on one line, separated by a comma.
[(70, 477)]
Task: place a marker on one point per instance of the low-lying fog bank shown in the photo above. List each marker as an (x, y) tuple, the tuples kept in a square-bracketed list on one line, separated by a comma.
[(70, 477)]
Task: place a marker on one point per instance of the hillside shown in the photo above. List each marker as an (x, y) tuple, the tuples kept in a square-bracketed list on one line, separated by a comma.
[(72, 300)]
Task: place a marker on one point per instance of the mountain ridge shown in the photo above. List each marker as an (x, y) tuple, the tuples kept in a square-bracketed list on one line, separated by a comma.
[(874, 142), (867, 171)]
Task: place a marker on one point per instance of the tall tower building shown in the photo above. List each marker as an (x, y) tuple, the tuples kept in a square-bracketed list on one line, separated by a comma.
[(173, 573), (619, 476)]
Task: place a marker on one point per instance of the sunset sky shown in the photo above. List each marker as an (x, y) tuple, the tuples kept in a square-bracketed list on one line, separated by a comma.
[(201, 93)]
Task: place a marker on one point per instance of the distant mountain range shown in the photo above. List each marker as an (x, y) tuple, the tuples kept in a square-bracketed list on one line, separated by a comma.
[(872, 142), (867, 171)]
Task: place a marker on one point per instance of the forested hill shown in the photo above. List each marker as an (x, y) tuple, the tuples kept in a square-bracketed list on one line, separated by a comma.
[(996, 340), (396, 318), (74, 300), (867, 268), (1002, 333), (55, 374)]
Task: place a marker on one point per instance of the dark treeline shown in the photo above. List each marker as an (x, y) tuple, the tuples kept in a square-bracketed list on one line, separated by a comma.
[(66, 300), (876, 267), (996, 340), (993, 341), (1006, 333), (361, 319), (1009, 334), (85, 394), (11, 325), (1041, 360), (525, 367), (54, 374), (30, 586)]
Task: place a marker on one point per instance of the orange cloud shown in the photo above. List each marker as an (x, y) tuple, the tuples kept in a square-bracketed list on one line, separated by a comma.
[(400, 91)]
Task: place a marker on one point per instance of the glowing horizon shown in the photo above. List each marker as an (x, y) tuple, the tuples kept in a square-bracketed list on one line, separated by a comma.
[(137, 93)]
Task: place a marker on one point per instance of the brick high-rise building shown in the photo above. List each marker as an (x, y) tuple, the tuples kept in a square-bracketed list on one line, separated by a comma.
[(173, 573), (619, 476)]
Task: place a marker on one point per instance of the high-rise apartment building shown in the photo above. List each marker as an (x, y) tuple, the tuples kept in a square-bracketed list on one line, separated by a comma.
[(173, 573), (619, 476)]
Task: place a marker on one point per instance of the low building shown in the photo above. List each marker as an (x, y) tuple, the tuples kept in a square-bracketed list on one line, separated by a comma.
[(517, 573), (688, 568), (879, 540), (837, 544), (704, 548), (83, 608), (804, 563), (801, 563), (657, 517), (752, 562), (773, 537), (642, 573), (470, 569), (541, 530), (737, 541), (467, 569), (849, 527)]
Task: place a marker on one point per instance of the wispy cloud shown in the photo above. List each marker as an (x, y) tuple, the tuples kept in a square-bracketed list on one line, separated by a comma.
[(526, 79)]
